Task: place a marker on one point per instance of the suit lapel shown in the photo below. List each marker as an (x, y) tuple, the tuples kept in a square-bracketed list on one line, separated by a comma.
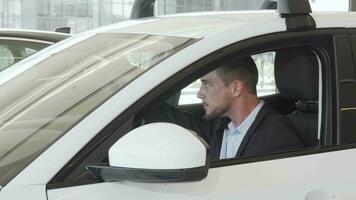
[(219, 133), (261, 114)]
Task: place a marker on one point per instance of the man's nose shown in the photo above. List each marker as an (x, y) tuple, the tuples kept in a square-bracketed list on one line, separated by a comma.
[(200, 94)]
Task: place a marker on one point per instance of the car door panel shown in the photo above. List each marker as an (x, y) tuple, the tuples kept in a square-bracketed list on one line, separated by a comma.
[(311, 176)]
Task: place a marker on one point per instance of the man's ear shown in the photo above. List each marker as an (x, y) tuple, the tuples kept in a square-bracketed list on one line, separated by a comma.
[(236, 88)]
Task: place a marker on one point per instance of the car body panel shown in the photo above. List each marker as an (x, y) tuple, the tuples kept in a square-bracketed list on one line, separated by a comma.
[(291, 178)]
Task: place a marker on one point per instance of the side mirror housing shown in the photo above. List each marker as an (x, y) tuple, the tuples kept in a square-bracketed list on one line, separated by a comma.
[(157, 152)]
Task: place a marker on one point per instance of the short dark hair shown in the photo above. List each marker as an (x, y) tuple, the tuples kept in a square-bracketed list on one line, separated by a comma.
[(243, 69)]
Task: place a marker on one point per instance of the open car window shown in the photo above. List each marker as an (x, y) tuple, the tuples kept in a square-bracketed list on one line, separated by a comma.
[(266, 83)]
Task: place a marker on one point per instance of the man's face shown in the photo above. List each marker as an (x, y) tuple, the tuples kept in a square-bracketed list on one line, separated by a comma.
[(216, 96)]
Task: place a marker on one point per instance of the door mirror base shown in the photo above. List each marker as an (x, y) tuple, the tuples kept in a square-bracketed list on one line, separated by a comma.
[(106, 173)]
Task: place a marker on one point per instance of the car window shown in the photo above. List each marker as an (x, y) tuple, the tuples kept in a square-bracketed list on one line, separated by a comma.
[(265, 64), (6, 57), (266, 83), (28, 51), (295, 104), (80, 78), (16, 49)]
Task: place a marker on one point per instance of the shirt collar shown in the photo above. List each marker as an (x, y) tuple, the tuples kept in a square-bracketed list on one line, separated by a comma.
[(246, 123)]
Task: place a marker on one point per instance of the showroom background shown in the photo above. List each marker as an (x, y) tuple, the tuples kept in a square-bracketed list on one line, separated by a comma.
[(83, 15)]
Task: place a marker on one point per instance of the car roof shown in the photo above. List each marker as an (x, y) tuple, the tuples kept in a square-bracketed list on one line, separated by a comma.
[(194, 25), (334, 19), (206, 24), (33, 34)]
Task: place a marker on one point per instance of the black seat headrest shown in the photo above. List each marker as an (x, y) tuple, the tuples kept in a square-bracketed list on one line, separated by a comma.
[(297, 73)]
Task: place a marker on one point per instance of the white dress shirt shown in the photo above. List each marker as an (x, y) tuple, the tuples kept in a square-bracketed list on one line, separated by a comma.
[(234, 134)]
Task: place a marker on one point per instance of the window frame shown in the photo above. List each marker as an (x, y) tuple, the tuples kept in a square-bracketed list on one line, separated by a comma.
[(321, 39)]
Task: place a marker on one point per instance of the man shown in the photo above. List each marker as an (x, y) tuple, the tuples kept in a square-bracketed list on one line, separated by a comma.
[(236, 122)]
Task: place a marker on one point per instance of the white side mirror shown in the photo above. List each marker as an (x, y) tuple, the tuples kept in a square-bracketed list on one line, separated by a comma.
[(157, 152)]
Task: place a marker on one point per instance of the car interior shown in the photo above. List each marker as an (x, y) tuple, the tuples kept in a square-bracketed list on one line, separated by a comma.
[(293, 71), (297, 79), (296, 76)]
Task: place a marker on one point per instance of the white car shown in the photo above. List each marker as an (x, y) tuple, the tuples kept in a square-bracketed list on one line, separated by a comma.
[(70, 116)]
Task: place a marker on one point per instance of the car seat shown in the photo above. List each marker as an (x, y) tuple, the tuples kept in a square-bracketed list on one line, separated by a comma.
[(297, 78)]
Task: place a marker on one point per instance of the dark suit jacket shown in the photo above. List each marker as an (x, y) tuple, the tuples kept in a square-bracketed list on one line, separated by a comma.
[(270, 131)]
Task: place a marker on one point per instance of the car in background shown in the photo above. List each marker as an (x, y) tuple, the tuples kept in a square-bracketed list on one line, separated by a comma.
[(16, 44)]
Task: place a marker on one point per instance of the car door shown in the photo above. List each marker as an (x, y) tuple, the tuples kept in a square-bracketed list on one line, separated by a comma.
[(322, 172)]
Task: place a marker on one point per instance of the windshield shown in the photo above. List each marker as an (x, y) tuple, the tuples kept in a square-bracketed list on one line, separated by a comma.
[(42, 103)]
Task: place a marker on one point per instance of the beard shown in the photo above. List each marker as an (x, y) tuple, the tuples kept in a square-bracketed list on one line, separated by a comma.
[(218, 111)]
